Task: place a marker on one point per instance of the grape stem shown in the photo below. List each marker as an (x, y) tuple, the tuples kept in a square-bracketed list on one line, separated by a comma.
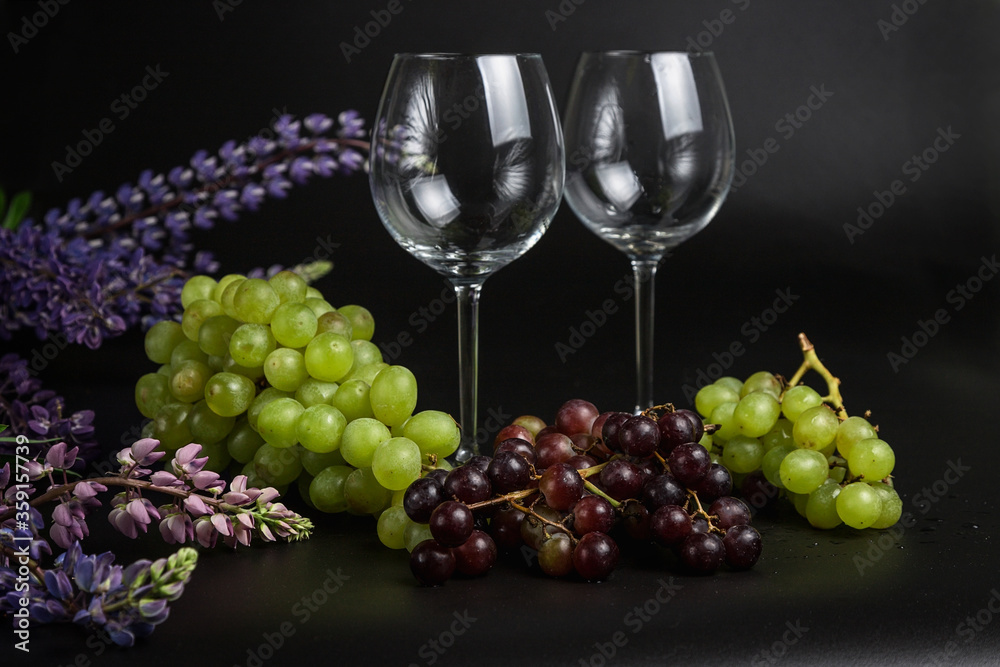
[(811, 362), (524, 493), (597, 492), (693, 495), (531, 512)]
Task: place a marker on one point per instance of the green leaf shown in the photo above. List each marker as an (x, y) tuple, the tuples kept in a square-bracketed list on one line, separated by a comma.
[(3, 427), (19, 206)]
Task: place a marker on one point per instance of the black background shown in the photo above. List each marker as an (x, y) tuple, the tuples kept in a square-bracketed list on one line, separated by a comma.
[(892, 92)]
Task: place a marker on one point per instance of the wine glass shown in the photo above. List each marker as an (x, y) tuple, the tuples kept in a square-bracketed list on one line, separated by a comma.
[(467, 171), (650, 158)]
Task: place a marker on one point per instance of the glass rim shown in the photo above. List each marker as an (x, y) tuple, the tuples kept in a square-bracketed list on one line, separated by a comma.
[(622, 53), (447, 55)]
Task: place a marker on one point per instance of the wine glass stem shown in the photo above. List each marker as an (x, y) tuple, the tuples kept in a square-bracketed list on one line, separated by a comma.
[(467, 296), (644, 273)]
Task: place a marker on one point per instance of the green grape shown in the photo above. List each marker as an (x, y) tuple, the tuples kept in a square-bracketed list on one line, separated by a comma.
[(396, 463), (250, 345), (207, 427), (815, 428), (229, 394), (859, 505), (367, 373), (892, 505), (798, 399), (397, 498), (215, 334), (166, 370), (293, 324), (196, 314), (161, 339), (148, 429), (187, 350), (364, 494), (255, 301), (362, 322), (313, 293), (216, 363), (152, 392), (761, 381), (320, 427), (391, 527), (218, 456), (289, 287), (733, 383), (315, 392), (230, 366), (360, 439), (415, 533), (285, 369), (756, 414), (742, 454), (326, 491), (197, 287), (821, 508), (723, 416), (223, 283), (353, 400), (781, 434), (228, 298), (770, 464), (851, 431), (711, 396), (329, 357), (872, 459), (800, 501), (314, 462), (394, 395), (276, 422), (188, 380), (302, 483), (707, 442), (171, 425), (243, 442), (318, 305), (266, 395), (838, 474), (278, 466), (803, 470), (335, 322), (435, 432), (366, 352)]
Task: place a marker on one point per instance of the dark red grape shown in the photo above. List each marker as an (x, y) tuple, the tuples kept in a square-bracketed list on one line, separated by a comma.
[(505, 528), (648, 468), (612, 425), (593, 514), (469, 484), (476, 555), (551, 428), (421, 498), (679, 427), (439, 474), (757, 491), (480, 461), (561, 485), (597, 428), (508, 472), (716, 483), (535, 532), (583, 442), (703, 552), (519, 445), (581, 461), (621, 479), (451, 523), (699, 524), (663, 489), (531, 422), (432, 563), (730, 512), (514, 431), (576, 416), (635, 519), (670, 525), (556, 555), (553, 448), (639, 436), (595, 556), (689, 463), (743, 547)]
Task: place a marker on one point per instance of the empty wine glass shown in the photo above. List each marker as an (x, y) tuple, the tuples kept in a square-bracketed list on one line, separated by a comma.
[(650, 158), (467, 172)]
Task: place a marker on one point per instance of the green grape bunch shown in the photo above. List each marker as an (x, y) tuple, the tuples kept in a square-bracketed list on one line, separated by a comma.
[(270, 378), (835, 468)]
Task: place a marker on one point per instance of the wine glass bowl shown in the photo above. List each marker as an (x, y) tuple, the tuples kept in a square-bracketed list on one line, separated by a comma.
[(467, 172), (651, 156)]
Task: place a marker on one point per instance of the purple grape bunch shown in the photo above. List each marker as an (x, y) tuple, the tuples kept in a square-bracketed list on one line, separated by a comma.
[(571, 491)]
